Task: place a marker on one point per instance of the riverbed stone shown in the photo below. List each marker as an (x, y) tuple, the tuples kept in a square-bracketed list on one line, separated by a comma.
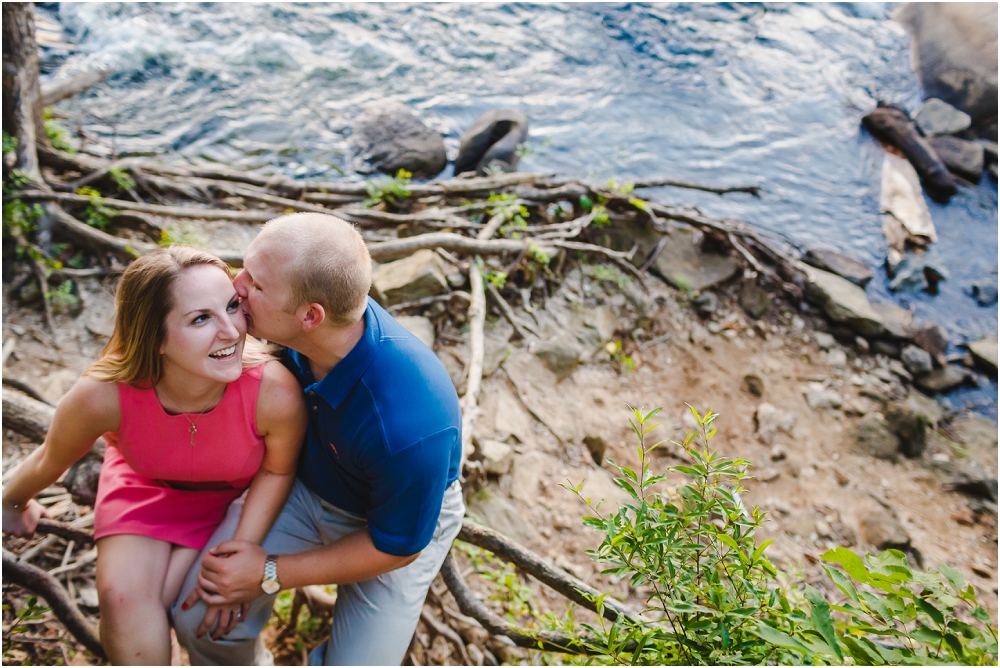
[(500, 515), (942, 380), (896, 320), (561, 354), (824, 340), (387, 138), (960, 156), (884, 347), (854, 271), (937, 117), (525, 474), (843, 302), (682, 264), (419, 326), (985, 353), (916, 359), (491, 142), (909, 420), (881, 530), (931, 337), (754, 300), (818, 396), (497, 456), (955, 53), (769, 421), (919, 272), (873, 436), (415, 277), (985, 291)]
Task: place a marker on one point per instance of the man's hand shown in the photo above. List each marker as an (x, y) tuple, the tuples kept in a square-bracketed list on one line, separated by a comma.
[(23, 522), (223, 618), (230, 573)]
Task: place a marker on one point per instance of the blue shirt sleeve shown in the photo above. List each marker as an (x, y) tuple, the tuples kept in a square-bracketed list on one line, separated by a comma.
[(408, 492)]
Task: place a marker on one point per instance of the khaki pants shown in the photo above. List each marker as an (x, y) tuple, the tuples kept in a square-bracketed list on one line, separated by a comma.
[(373, 621)]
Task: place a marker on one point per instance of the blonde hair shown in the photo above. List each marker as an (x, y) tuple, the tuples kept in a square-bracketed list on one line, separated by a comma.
[(143, 300), (329, 266)]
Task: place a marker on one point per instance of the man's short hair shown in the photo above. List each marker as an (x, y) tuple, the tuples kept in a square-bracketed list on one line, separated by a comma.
[(328, 264)]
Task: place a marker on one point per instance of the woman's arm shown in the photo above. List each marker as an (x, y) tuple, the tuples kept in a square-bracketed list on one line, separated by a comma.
[(281, 420), (90, 409)]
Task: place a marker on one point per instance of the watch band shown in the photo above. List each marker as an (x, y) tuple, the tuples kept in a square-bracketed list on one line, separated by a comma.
[(271, 567)]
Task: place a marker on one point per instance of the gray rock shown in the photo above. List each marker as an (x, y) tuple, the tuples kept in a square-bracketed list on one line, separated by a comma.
[(454, 366), (419, 326), (769, 421), (896, 367), (862, 345), (497, 456), (413, 277), (824, 341), (705, 304), (955, 53), (919, 273), (985, 291), (881, 530), (960, 156), (897, 320), (560, 354), (887, 348), (932, 338), (490, 144), (916, 360), (943, 379), (88, 597), (525, 474), (597, 447), (682, 264), (843, 302), (910, 419), (937, 117), (390, 138), (847, 267), (754, 300), (873, 436), (989, 150), (501, 515), (985, 352), (818, 396), (837, 358)]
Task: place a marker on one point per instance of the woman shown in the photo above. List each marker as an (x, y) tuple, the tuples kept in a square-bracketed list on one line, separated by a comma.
[(191, 420)]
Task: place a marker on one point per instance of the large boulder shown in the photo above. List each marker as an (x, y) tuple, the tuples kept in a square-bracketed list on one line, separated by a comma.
[(843, 302), (683, 264), (491, 142), (415, 277), (955, 53), (388, 139), (419, 326), (897, 320), (873, 436), (854, 271), (961, 156), (903, 198), (500, 515), (881, 530), (944, 379)]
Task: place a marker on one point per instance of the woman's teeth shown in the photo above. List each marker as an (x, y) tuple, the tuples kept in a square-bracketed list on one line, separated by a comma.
[(222, 354)]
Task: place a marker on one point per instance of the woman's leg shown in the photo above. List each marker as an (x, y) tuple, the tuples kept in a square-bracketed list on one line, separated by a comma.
[(131, 573), (181, 560)]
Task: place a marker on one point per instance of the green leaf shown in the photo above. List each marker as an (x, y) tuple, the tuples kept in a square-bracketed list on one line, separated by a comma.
[(773, 636), (760, 550), (981, 615), (926, 635), (953, 575), (822, 620), (954, 644), (876, 605), (842, 582), (928, 609), (851, 562)]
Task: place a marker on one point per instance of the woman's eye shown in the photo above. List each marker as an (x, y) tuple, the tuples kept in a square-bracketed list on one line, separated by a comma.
[(200, 319), (233, 305)]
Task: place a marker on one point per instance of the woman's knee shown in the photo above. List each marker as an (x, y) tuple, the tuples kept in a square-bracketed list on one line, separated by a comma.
[(123, 601)]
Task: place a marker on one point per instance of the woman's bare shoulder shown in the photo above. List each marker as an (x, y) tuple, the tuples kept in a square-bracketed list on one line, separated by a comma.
[(280, 395), (93, 400)]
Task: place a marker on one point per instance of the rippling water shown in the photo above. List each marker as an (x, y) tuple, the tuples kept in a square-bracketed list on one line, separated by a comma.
[(721, 93)]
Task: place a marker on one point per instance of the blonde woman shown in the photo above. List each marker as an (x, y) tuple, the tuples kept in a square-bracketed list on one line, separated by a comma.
[(192, 422)]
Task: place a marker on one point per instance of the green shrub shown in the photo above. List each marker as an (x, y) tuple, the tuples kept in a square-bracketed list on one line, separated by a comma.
[(712, 596), (58, 135), (388, 189), (97, 214)]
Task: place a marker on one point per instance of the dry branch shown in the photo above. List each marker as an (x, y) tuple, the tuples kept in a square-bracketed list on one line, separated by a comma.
[(38, 581), (67, 531), (449, 241), (72, 86), (255, 216), (26, 416), (569, 586), (469, 604), (690, 185)]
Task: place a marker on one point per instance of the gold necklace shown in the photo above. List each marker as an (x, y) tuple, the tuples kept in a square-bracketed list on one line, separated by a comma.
[(192, 426)]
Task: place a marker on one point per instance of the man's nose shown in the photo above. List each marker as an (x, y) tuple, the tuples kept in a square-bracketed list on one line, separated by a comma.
[(240, 284)]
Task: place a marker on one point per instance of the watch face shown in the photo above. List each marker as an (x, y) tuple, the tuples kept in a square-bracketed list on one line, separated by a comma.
[(270, 586)]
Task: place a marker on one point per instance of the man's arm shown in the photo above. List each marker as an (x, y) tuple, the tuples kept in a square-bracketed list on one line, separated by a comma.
[(233, 569)]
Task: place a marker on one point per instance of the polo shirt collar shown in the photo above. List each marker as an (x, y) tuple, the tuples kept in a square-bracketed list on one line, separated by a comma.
[(338, 383)]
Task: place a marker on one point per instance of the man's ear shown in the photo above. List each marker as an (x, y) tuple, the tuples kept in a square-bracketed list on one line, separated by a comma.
[(313, 316)]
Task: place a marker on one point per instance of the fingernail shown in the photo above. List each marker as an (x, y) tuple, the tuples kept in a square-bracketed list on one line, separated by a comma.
[(184, 606)]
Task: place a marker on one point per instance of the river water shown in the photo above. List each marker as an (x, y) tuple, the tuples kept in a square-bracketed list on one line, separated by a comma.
[(721, 93)]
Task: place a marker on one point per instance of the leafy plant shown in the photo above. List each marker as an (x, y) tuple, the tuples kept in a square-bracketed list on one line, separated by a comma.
[(608, 274), (29, 613), (538, 254), (183, 233), (9, 143), (625, 363), (516, 214), (58, 135), (20, 219), (513, 595), (97, 214), (388, 189), (62, 298), (601, 218), (122, 179)]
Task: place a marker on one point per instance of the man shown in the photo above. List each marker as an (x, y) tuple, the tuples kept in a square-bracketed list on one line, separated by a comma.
[(377, 501)]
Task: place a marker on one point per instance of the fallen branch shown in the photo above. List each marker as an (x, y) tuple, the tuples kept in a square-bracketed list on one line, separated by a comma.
[(39, 582), (72, 86), (397, 248), (27, 389), (508, 312), (66, 531), (690, 185), (255, 216), (569, 586), (26, 416), (469, 604)]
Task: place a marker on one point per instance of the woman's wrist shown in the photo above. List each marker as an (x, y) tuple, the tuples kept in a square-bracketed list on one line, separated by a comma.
[(11, 505)]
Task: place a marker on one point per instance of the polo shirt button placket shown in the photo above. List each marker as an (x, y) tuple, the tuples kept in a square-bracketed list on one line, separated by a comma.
[(312, 399)]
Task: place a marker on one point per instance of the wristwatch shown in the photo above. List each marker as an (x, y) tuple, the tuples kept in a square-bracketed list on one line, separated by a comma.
[(271, 584)]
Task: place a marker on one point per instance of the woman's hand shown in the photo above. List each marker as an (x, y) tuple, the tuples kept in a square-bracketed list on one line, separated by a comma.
[(21, 522), (223, 618)]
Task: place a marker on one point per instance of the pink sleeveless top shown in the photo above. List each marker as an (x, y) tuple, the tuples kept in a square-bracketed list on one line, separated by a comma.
[(155, 483)]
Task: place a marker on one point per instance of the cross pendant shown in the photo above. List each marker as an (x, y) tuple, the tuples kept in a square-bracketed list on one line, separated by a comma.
[(192, 430)]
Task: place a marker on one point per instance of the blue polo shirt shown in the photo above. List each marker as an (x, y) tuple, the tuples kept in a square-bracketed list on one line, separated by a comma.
[(385, 433)]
